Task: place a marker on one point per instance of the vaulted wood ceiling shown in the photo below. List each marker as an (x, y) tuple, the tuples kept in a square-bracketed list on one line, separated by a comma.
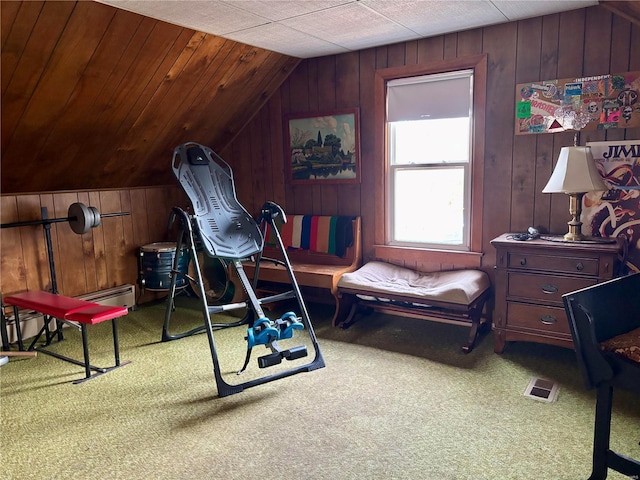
[(94, 97), (625, 9)]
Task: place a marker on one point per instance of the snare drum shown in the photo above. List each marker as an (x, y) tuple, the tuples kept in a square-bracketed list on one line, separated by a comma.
[(156, 262)]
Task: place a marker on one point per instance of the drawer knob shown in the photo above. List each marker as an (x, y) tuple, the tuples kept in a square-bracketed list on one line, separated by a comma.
[(523, 261), (548, 319), (580, 266), (549, 289)]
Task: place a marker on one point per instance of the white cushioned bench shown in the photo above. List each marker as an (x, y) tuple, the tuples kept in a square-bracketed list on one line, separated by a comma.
[(453, 296)]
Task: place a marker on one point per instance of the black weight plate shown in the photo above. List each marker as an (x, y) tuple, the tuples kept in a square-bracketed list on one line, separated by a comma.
[(80, 218)]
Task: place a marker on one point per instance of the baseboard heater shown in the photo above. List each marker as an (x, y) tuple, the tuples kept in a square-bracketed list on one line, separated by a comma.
[(31, 322)]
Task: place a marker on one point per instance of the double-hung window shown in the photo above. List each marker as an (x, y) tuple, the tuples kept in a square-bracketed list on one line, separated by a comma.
[(429, 132), (432, 169)]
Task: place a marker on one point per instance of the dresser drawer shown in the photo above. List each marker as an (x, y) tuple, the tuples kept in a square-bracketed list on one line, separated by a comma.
[(531, 278), (548, 263), (538, 317), (543, 288)]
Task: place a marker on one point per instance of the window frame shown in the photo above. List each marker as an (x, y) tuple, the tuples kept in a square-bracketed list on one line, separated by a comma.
[(383, 248)]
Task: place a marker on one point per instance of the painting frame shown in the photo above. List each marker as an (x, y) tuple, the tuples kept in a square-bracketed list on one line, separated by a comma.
[(307, 162)]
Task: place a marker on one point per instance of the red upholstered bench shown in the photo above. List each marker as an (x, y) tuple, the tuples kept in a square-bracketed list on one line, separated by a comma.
[(66, 309)]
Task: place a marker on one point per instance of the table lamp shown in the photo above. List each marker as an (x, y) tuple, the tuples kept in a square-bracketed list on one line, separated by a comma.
[(575, 174)]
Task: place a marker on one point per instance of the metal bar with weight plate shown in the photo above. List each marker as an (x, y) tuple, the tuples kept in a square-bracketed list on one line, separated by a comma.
[(80, 217)]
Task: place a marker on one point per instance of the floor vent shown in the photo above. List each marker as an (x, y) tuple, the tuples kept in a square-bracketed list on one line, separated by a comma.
[(541, 389)]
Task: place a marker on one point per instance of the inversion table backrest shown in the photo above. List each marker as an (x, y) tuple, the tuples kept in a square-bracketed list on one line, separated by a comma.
[(225, 227)]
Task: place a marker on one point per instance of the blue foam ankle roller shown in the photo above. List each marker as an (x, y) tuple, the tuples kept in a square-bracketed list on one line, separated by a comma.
[(262, 333), (288, 323)]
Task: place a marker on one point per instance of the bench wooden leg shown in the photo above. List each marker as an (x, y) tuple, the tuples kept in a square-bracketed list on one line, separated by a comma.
[(357, 307), (345, 309), (473, 334), (475, 315)]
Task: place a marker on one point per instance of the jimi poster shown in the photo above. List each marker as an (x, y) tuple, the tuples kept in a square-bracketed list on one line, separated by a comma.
[(616, 212), (588, 103)]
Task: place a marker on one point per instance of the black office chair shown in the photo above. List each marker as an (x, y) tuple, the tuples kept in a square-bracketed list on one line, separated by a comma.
[(605, 326)]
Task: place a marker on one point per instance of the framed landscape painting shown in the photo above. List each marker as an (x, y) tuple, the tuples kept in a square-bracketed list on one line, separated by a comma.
[(323, 148)]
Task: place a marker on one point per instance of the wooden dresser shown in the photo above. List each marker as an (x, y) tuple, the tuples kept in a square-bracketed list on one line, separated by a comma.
[(532, 276)]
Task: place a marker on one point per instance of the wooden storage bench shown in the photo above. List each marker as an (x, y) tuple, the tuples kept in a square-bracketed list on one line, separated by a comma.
[(313, 264), (455, 296)]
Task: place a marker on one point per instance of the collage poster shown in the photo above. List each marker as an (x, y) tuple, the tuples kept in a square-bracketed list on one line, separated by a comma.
[(588, 103), (616, 212)]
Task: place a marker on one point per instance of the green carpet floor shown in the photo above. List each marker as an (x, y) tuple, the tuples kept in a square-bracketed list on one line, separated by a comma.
[(397, 400)]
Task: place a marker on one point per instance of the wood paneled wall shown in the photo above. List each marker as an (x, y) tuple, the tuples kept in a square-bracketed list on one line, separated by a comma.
[(106, 256), (578, 43), (94, 100), (94, 97)]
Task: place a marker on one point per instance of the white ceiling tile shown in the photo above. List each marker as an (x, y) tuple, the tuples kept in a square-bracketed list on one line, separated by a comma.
[(282, 39), (351, 26), (518, 9), (277, 10), (210, 16), (310, 28), (434, 17)]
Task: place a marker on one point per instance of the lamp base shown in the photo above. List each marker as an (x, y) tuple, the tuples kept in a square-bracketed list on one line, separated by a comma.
[(572, 236), (584, 239)]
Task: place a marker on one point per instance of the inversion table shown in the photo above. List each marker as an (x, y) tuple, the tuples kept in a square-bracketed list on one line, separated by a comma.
[(223, 229)]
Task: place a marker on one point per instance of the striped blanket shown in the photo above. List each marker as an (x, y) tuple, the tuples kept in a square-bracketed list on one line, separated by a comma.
[(318, 233)]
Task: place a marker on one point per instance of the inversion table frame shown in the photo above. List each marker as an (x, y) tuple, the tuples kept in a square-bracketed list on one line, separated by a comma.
[(225, 230)]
